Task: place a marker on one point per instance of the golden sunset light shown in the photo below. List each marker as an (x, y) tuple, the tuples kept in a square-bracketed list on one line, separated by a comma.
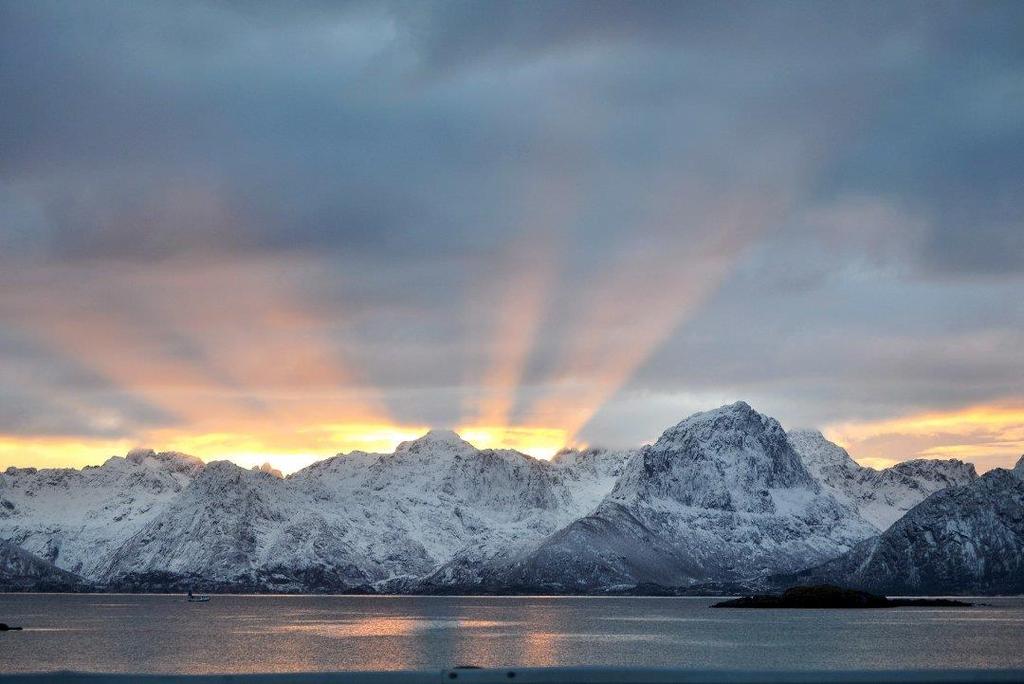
[(987, 435), (517, 297), (538, 442), (287, 451), (58, 452)]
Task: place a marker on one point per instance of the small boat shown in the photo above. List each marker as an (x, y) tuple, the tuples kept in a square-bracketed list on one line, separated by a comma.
[(194, 598), (8, 628)]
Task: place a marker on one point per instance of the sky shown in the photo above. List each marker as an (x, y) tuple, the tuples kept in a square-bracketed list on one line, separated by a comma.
[(277, 231)]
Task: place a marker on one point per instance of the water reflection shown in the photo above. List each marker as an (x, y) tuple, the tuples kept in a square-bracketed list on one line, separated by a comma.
[(389, 626), (316, 633), (539, 641)]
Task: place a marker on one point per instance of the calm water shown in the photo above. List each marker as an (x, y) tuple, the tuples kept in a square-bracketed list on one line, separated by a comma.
[(293, 633)]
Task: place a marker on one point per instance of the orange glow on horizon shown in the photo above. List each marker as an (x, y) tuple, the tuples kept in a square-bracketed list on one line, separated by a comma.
[(290, 451), (538, 442), (233, 354), (287, 451), (58, 452), (987, 435)]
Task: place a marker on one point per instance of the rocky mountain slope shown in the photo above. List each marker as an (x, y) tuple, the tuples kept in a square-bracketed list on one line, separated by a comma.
[(165, 521), (77, 518), (725, 496), (721, 497), (21, 571), (880, 496), (963, 540)]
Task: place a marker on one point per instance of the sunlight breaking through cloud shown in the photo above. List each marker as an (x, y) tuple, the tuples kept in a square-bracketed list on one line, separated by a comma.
[(988, 435), (650, 291), (521, 291), (383, 220), (539, 442)]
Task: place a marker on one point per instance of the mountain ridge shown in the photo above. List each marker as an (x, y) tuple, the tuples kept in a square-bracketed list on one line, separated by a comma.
[(724, 498), (964, 539), (880, 496)]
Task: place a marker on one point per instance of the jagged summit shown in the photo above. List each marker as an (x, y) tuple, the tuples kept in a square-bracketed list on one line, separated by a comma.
[(268, 469), (173, 460), (730, 458), (880, 496), (1019, 468), (139, 455), (736, 411), (723, 496), (223, 466), (948, 472), (437, 439)]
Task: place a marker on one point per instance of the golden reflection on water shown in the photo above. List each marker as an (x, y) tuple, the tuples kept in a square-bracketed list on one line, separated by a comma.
[(540, 645), (394, 640), (384, 626)]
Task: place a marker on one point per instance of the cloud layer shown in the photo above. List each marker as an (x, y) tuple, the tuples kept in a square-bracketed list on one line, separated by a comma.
[(585, 219)]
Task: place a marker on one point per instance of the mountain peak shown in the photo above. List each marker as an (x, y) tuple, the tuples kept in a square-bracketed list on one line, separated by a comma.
[(268, 469), (437, 439), (728, 458), (171, 460), (735, 416), (737, 408), (737, 411), (1019, 468)]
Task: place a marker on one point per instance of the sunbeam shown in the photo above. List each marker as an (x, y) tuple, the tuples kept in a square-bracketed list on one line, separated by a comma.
[(651, 290), (519, 293), (539, 442), (224, 350)]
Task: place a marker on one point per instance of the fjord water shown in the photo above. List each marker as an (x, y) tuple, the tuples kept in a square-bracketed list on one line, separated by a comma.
[(159, 633)]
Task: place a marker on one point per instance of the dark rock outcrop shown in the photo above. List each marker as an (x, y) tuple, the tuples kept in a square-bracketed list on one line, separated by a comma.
[(829, 596)]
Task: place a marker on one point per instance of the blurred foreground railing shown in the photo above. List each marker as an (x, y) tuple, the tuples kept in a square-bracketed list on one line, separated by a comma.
[(553, 675)]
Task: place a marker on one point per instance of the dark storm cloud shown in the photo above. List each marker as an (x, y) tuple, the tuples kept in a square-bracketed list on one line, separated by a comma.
[(378, 162)]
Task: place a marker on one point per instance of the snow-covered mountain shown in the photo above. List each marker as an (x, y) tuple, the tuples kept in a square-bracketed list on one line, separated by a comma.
[(578, 479), (20, 570), (724, 496), (880, 496), (162, 521), (963, 540), (77, 518), (225, 526), (720, 497)]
